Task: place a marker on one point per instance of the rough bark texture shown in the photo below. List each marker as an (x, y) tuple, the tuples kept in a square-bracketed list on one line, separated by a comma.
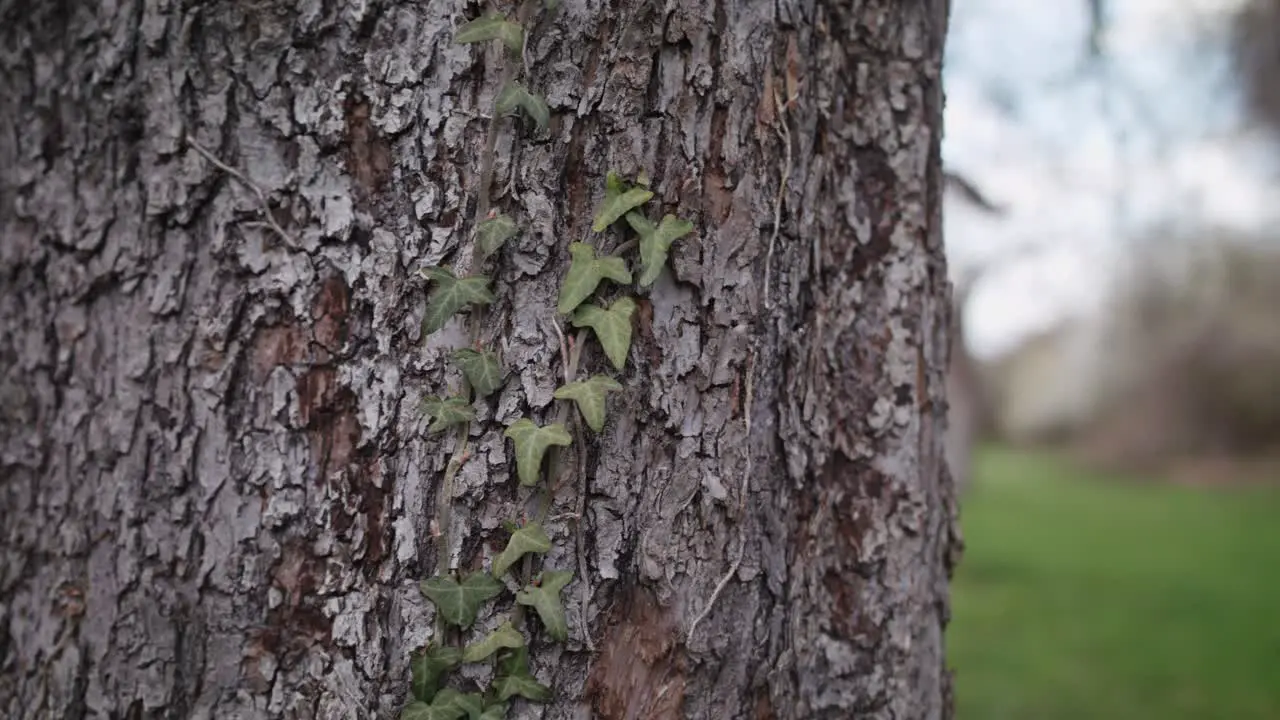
[(216, 490)]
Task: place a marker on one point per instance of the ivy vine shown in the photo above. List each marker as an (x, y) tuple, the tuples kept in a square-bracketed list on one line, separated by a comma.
[(459, 600)]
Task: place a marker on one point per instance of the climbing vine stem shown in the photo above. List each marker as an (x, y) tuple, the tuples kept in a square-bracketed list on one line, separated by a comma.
[(583, 301)]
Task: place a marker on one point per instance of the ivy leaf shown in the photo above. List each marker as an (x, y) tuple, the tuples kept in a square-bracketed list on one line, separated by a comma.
[(447, 412), (482, 369), (492, 27), (515, 679), (450, 295), (656, 241), (529, 539), (471, 704), (585, 273), (429, 667), (514, 95), (504, 637), (531, 444), (457, 602), (618, 200), (495, 231), (589, 395), (497, 711), (545, 598), (419, 710), (448, 705), (613, 184), (612, 327)]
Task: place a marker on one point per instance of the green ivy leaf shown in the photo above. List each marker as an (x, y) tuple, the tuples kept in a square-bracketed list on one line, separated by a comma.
[(585, 273), (450, 295), (472, 704), (614, 184), (612, 327), (495, 231), (419, 710), (529, 539), (656, 241), (545, 598), (618, 200), (482, 369), (589, 395), (497, 711), (492, 27), (531, 444), (504, 637), (448, 705), (447, 412), (514, 95), (429, 668), (514, 679), (457, 602)]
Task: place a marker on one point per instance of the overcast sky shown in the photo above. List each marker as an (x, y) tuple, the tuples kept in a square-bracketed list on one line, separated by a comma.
[(1081, 156)]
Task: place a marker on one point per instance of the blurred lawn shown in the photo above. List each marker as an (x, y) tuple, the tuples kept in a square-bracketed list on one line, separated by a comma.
[(1083, 599)]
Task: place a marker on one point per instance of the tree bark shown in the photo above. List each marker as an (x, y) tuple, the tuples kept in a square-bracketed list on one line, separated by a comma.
[(217, 492)]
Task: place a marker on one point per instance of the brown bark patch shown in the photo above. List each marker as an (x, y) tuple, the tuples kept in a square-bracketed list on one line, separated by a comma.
[(298, 622), (717, 197), (363, 491), (329, 310), (763, 709), (878, 200), (368, 156), (644, 326), (853, 489), (277, 345), (328, 412), (315, 390), (638, 674)]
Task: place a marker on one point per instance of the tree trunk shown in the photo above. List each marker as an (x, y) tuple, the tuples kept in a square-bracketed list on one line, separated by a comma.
[(218, 493)]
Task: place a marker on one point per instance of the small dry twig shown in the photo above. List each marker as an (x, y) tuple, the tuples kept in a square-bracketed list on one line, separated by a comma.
[(742, 499), (268, 219), (784, 133)]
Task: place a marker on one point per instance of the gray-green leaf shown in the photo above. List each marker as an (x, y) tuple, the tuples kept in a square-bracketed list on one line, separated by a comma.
[(655, 241), (589, 395), (448, 705), (492, 27), (514, 95), (585, 273), (529, 539), (419, 710), (545, 598), (482, 369), (504, 637), (458, 603), (429, 667), (495, 231), (450, 295), (515, 679), (618, 200), (447, 412), (531, 444), (612, 327), (497, 711)]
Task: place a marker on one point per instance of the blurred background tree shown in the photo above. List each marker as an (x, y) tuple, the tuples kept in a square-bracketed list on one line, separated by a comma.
[(1122, 314)]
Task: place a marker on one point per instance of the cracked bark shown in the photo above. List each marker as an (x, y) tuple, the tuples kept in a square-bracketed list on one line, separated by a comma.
[(217, 492)]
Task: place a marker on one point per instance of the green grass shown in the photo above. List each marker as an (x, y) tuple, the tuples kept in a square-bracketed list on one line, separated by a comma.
[(1088, 598)]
